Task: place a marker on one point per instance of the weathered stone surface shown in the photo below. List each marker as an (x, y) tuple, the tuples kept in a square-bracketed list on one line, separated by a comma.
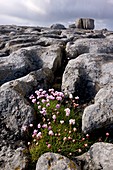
[(87, 45), (15, 111), (58, 26), (86, 74), (53, 161), (23, 61), (99, 156), (13, 159), (99, 114), (85, 23)]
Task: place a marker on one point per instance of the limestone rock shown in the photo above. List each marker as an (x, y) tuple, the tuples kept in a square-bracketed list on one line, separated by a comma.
[(86, 74), (15, 112), (85, 23), (99, 156), (23, 61), (13, 159), (53, 161), (87, 45), (58, 26), (99, 114)]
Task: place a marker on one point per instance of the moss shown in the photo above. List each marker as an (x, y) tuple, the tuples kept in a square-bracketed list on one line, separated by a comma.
[(72, 165)]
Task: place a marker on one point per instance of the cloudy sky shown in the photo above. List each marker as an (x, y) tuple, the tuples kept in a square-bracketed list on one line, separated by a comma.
[(47, 12)]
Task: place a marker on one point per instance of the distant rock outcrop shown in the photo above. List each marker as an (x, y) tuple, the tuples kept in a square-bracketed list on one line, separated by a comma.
[(79, 60), (85, 23)]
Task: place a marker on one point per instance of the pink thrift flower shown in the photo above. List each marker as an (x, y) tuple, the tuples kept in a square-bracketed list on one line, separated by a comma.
[(24, 128), (39, 107), (67, 110), (33, 100), (87, 135), (107, 134), (51, 133), (79, 150), (65, 138), (31, 125), (54, 117), (58, 98), (43, 100), (49, 128), (35, 131), (61, 121), (39, 126), (49, 145), (28, 143), (48, 104), (58, 106), (76, 97), (39, 135), (31, 97), (44, 126), (72, 121), (70, 96)]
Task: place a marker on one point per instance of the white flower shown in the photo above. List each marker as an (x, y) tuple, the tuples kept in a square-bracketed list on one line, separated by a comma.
[(54, 117), (67, 110), (76, 97), (51, 133), (70, 96), (61, 121), (72, 121)]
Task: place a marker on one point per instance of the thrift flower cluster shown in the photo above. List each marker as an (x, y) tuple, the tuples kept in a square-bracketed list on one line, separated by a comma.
[(57, 128)]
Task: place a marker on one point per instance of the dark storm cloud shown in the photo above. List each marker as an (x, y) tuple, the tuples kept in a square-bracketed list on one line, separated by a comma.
[(46, 12)]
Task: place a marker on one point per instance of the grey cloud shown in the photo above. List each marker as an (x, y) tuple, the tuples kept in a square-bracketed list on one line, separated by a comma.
[(56, 11)]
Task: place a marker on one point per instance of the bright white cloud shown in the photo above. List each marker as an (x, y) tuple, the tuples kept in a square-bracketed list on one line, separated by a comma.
[(46, 12)]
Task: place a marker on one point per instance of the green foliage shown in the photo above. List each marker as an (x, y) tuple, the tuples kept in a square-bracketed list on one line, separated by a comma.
[(58, 126)]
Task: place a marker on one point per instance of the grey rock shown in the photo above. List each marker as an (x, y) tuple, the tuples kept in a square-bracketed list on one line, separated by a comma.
[(99, 156), (57, 26), (15, 112), (99, 114), (23, 61), (87, 45), (53, 161), (85, 23), (86, 74), (72, 26), (13, 159)]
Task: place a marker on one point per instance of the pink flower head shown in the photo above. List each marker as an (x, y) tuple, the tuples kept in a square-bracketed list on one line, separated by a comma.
[(39, 135), (76, 97), (70, 96), (39, 107), (33, 100), (51, 133), (61, 121), (31, 97), (58, 106), (49, 145), (51, 90), (87, 135), (107, 134), (48, 104), (24, 128), (44, 126), (67, 110), (72, 121), (58, 98), (43, 100), (31, 125), (39, 126), (54, 117), (35, 131)]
